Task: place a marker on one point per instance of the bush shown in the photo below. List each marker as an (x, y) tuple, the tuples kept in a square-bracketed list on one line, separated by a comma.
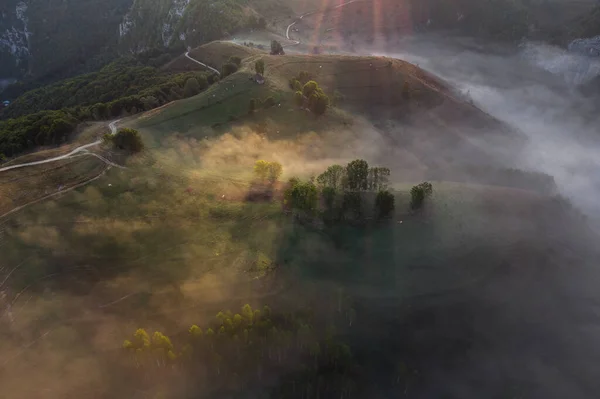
[(128, 140), (191, 88), (295, 83), (235, 60), (384, 203), (228, 69)]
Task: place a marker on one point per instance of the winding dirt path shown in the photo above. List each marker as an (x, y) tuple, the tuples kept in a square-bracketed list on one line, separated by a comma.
[(113, 130), (187, 55), (306, 14)]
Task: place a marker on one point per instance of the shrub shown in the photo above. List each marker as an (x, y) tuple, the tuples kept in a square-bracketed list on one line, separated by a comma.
[(293, 84), (235, 60), (297, 85), (191, 88), (228, 69), (128, 139)]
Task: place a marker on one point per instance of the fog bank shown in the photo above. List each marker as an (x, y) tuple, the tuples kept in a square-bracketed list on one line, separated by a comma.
[(534, 90)]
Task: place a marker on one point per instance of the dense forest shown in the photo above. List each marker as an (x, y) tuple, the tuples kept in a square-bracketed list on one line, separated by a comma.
[(46, 116)]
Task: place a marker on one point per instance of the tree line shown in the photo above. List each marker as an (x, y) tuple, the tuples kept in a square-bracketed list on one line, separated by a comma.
[(48, 115), (339, 193), (248, 350)]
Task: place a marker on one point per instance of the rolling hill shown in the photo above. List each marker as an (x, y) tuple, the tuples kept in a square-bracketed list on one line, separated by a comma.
[(436, 119), (419, 299)]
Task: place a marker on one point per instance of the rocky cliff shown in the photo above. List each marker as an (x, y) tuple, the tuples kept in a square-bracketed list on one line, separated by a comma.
[(56, 38)]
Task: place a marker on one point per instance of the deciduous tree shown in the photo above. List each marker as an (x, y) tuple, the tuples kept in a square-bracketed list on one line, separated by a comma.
[(357, 174)]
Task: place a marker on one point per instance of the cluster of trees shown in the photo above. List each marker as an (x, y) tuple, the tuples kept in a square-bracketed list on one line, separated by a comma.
[(419, 193), (41, 128), (243, 351), (341, 190), (267, 171), (276, 48), (126, 139), (48, 115), (308, 94)]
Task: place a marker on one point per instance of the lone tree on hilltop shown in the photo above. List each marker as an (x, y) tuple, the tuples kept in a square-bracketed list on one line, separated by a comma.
[(127, 139), (276, 48), (259, 67)]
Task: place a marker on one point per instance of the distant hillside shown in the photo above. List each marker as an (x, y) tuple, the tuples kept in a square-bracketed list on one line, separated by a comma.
[(499, 20), (55, 39)]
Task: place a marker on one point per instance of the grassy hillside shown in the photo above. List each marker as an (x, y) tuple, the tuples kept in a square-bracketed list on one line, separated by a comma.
[(434, 117), (172, 240), (187, 230)]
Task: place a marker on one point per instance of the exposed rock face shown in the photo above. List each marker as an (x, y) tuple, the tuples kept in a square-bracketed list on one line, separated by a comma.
[(588, 46), (14, 38)]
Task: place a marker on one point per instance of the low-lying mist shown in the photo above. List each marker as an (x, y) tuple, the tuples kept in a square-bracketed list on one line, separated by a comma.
[(534, 89)]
